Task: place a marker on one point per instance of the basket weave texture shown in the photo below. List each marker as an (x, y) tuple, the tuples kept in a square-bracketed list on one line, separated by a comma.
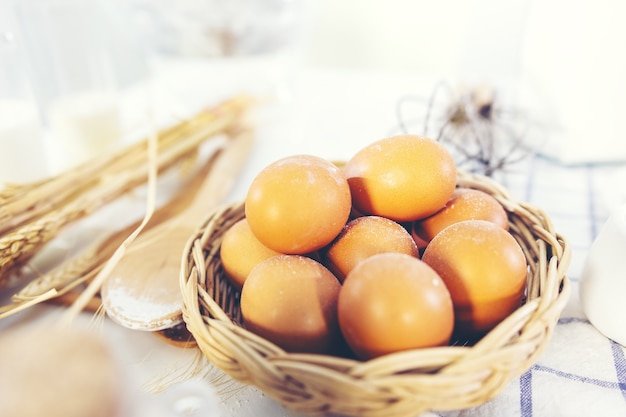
[(402, 384)]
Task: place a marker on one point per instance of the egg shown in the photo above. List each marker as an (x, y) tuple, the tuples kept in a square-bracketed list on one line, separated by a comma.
[(363, 237), (465, 204), (419, 242), (392, 302), (485, 270), (291, 300), (240, 251), (298, 204), (403, 178)]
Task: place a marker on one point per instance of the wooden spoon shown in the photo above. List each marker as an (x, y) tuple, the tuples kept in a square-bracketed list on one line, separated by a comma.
[(142, 292)]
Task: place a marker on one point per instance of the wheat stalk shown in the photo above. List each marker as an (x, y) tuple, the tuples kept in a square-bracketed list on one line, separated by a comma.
[(20, 203), (88, 262), (32, 214)]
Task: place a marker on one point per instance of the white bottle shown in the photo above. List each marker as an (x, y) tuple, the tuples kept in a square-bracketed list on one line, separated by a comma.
[(603, 281)]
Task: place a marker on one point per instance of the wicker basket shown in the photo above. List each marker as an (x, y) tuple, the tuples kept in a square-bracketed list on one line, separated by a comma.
[(400, 384)]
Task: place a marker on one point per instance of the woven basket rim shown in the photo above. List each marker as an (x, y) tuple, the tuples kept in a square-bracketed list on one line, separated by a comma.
[(399, 384)]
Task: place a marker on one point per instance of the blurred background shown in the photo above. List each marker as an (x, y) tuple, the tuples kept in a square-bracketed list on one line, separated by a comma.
[(76, 76)]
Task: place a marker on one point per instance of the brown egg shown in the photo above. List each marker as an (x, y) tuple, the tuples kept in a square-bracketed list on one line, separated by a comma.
[(484, 269), (465, 204), (241, 251), (403, 178), (363, 237), (298, 204), (291, 300), (419, 242), (392, 302)]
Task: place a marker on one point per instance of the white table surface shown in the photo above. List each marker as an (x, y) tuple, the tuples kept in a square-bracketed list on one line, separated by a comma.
[(334, 113)]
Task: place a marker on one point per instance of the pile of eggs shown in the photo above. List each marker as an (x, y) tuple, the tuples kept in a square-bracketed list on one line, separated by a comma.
[(383, 254)]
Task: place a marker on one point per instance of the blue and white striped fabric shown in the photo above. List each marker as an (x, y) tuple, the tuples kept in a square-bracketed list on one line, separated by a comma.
[(582, 373)]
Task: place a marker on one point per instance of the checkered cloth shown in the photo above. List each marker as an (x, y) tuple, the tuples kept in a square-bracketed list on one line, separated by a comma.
[(582, 373)]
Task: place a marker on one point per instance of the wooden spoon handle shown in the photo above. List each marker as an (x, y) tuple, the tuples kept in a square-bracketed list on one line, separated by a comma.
[(228, 164), (143, 291), (206, 189)]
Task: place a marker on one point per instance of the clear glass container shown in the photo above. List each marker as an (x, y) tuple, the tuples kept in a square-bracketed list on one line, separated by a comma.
[(22, 153), (72, 69)]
